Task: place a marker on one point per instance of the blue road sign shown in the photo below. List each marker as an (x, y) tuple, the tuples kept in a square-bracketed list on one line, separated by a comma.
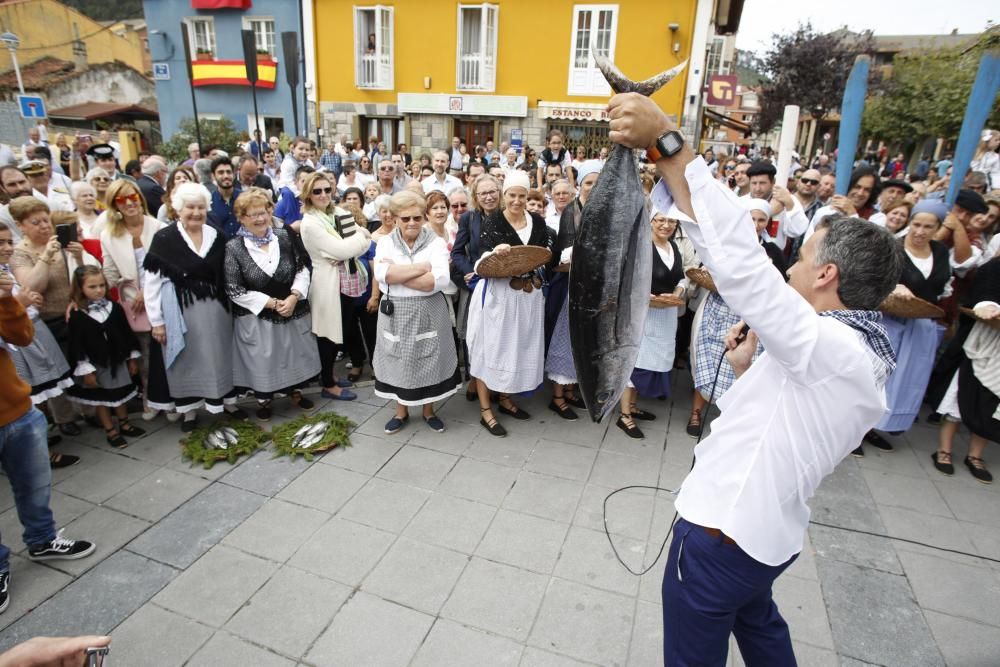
[(161, 71), (32, 106)]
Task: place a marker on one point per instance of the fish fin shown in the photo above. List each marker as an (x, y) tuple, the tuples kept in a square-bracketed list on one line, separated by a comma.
[(622, 84)]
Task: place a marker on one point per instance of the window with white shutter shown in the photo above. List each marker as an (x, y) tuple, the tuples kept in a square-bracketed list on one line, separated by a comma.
[(593, 26), (477, 47), (373, 47), (263, 35)]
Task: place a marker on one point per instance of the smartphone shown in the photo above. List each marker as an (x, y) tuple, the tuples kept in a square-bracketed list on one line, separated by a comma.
[(66, 234), (97, 657)]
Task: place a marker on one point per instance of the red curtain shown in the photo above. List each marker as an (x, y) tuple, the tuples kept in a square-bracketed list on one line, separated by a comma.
[(221, 4)]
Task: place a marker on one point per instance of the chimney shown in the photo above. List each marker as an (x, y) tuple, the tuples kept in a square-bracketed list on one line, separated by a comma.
[(79, 51)]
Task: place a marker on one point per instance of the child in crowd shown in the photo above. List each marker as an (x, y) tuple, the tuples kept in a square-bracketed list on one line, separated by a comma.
[(103, 351), (536, 202)]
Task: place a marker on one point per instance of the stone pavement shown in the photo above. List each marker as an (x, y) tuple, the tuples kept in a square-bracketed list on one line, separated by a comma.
[(463, 549)]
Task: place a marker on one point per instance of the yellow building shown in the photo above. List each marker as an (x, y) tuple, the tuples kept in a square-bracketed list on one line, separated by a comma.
[(49, 28), (422, 71)]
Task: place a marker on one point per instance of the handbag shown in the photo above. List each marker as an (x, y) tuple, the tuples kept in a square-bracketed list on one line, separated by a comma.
[(138, 321)]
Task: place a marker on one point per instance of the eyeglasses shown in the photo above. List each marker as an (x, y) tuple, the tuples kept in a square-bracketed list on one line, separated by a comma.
[(460, 205), (101, 179), (489, 193), (808, 181), (260, 215), (322, 191), (409, 218), (386, 168), (729, 167), (121, 200)]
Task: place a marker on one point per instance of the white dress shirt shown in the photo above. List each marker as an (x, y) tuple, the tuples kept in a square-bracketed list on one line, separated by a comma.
[(436, 252), (153, 282), (797, 411), (267, 260), (449, 185)]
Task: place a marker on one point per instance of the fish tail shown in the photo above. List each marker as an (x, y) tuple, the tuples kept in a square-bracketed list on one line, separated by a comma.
[(622, 84)]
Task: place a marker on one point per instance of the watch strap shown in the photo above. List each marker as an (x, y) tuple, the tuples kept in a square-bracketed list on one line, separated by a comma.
[(653, 154)]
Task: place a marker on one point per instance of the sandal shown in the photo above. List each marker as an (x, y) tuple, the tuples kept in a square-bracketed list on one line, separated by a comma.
[(694, 424), (942, 462), (563, 410), (977, 467), (641, 414), (131, 431), (627, 424), (62, 460), (513, 410), (116, 440), (493, 426), (574, 400)]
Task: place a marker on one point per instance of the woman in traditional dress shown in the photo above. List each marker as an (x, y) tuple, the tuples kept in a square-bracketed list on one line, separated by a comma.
[(334, 242), (41, 265), (651, 376), (125, 239), (415, 359), (559, 365), (927, 274), (712, 323), (268, 283), (505, 332), (186, 302)]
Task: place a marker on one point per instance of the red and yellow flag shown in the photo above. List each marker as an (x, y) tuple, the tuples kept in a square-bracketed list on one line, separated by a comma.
[(232, 73)]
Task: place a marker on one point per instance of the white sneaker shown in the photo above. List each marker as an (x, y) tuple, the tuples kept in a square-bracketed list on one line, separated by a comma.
[(173, 416), (149, 415)]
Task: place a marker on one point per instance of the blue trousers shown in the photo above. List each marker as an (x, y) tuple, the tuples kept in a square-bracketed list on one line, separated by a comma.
[(24, 455), (712, 589)]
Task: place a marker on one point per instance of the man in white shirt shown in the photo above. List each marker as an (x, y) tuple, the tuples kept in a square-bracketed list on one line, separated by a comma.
[(455, 161), (788, 420), (440, 179)]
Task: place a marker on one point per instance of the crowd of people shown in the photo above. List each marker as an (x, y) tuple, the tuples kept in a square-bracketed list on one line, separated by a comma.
[(187, 287)]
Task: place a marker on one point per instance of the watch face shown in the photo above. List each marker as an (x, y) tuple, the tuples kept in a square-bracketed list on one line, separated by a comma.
[(673, 142)]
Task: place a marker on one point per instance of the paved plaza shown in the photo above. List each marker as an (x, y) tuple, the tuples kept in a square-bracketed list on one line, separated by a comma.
[(464, 549)]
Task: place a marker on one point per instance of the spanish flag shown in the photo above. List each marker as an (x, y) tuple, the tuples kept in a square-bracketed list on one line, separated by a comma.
[(232, 73)]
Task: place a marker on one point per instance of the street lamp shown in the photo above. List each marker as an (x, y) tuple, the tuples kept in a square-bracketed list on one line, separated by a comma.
[(11, 41)]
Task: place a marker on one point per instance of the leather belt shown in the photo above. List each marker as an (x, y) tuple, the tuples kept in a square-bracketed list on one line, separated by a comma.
[(715, 534)]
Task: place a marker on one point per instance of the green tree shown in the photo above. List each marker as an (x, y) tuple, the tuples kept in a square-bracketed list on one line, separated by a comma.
[(925, 94), (221, 133), (809, 70)]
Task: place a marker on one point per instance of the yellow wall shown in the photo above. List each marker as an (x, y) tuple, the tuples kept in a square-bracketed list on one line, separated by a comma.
[(44, 25), (533, 48)]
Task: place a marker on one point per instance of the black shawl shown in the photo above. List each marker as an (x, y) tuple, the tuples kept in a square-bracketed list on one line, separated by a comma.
[(929, 288), (104, 344), (194, 277), (496, 230), (569, 227), (243, 275), (665, 279)]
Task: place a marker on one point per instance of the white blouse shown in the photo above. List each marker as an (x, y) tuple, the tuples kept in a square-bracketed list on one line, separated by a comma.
[(436, 253), (267, 260), (154, 281)]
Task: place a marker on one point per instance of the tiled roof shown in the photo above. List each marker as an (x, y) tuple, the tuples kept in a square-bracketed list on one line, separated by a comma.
[(92, 110), (49, 71)]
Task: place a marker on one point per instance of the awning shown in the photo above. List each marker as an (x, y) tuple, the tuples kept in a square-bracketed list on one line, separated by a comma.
[(723, 119), (221, 4), (232, 73), (95, 110)]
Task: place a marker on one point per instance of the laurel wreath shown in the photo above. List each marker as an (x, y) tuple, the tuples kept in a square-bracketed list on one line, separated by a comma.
[(249, 438), (335, 435)]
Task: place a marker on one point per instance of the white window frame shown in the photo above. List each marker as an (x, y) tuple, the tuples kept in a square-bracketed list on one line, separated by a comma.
[(588, 81), (249, 24), (484, 63), (208, 21), (375, 71), (719, 42)]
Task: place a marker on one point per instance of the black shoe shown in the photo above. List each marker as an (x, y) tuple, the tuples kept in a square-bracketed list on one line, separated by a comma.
[(577, 402), (4, 591), (631, 430), (302, 402), (941, 466), (189, 425), (127, 429), (694, 424), (878, 442), (564, 411), (61, 549), (264, 412), (859, 453), (62, 460), (238, 414), (116, 440), (70, 428), (642, 414), (977, 467), (493, 426), (396, 424), (516, 413)]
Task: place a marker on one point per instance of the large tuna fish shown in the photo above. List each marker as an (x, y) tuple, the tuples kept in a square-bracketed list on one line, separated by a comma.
[(610, 276)]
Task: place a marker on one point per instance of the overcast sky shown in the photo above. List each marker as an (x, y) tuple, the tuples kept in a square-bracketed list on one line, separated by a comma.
[(762, 18)]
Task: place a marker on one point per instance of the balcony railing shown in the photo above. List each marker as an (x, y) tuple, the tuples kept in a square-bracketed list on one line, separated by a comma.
[(474, 72)]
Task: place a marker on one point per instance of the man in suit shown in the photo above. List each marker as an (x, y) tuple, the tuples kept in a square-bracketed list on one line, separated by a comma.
[(251, 176), (154, 176)]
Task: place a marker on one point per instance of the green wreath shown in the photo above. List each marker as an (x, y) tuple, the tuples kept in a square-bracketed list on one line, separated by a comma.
[(227, 441), (311, 434)]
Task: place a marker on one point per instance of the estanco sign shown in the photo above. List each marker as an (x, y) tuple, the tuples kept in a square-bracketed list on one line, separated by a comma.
[(572, 111)]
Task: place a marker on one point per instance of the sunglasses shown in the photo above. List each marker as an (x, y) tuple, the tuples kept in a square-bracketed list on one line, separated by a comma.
[(808, 181), (121, 200), (409, 218), (101, 179), (386, 168), (462, 205), (729, 167), (322, 191)]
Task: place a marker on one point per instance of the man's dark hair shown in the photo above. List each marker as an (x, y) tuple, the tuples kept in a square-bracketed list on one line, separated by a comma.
[(860, 173), (133, 166), (41, 153), (867, 256), (762, 168), (220, 161), (303, 169)]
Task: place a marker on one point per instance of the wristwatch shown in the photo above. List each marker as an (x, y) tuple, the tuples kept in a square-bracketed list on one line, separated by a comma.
[(667, 144)]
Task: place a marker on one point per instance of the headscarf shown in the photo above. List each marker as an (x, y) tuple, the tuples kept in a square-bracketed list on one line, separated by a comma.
[(933, 206), (755, 204), (516, 179), (587, 168)]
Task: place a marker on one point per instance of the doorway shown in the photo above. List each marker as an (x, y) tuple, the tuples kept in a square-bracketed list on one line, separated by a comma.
[(473, 133)]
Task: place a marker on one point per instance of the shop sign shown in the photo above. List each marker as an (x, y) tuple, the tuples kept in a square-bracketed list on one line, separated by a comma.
[(573, 111), (463, 105)]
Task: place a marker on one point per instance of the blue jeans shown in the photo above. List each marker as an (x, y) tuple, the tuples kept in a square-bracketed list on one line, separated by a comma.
[(712, 589), (24, 455)]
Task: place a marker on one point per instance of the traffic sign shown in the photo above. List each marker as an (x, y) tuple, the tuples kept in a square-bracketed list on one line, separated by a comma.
[(32, 106), (516, 139), (161, 71)]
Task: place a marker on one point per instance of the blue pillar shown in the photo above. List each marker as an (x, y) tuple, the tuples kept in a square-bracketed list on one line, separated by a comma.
[(984, 92), (850, 120)]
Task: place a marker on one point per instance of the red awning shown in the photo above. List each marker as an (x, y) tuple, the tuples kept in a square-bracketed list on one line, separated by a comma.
[(221, 4)]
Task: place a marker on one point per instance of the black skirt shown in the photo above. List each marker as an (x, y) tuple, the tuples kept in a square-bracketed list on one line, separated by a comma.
[(977, 404)]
